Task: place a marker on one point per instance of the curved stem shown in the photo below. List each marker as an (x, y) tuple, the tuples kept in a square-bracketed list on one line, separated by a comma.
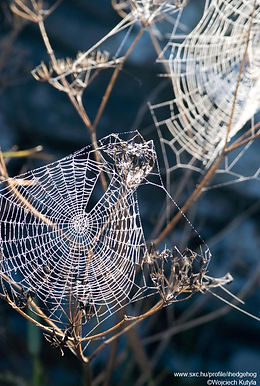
[(195, 195), (113, 79), (134, 320)]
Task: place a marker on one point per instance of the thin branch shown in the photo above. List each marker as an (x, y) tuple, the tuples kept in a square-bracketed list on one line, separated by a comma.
[(119, 27), (24, 314), (194, 196), (21, 153), (250, 131), (140, 356), (113, 79), (134, 320), (110, 363), (243, 142)]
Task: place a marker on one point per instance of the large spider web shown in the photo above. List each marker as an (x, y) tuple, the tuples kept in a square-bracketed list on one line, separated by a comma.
[(72, 247), (204, 70), (57, 246)]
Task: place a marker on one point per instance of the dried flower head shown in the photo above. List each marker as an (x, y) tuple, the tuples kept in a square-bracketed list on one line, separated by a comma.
[(187, 274), (147, 11), (84, 62), (42, 72), (134, 160), (32, 10), (73, 76)]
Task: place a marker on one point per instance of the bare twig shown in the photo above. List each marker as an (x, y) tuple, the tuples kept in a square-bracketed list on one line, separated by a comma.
[(113, 79)]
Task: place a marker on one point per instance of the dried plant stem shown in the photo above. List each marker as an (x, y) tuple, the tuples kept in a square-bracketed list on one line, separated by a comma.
[(87, 373), (140, 356), (250, 131), (194, 196), (79, 107), (47, 44), (92, 132), (133, 321), (21, 153), (112, 354), (76, 102), (24, 314), (111, 363), (243, 142), (106, 95), (104, 333), (113, 79), (34, 308)]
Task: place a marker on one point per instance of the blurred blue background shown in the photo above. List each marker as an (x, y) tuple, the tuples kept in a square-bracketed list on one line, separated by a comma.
[(33, 113)]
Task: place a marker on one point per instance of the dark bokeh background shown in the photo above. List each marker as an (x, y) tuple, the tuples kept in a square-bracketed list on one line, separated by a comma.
[(33, 113)]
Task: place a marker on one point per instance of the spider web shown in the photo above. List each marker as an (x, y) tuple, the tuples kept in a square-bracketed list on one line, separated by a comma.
[(70, 252), (204, 70), (54, 245)]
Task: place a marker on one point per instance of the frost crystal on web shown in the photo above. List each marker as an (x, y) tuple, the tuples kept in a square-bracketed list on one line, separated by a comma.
[(57, 246)]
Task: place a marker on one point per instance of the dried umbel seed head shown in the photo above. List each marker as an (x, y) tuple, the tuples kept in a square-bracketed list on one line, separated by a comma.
[(42, 72), (133, 160), (147, 11), (95, 58), (32, 10), (179, 276), (74, 75), (84, 62)]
